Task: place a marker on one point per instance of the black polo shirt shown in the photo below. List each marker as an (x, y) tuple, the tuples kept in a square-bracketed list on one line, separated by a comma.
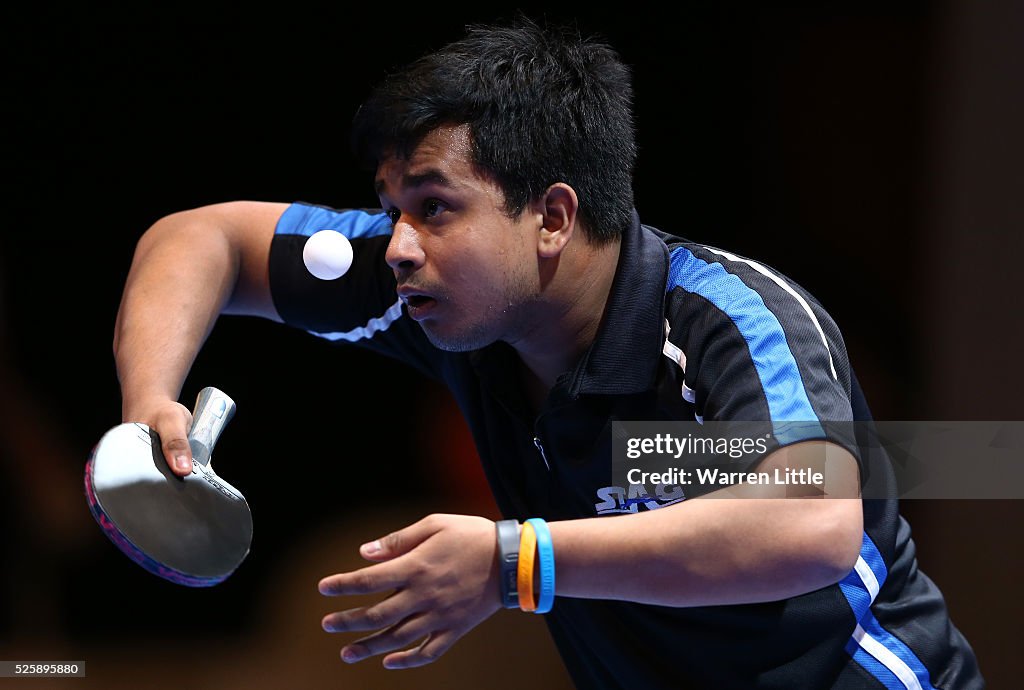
[(743, 342)]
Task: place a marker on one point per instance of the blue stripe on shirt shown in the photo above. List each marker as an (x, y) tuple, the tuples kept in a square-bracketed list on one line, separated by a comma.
[(773, 360), (305, 219), (859, 598)]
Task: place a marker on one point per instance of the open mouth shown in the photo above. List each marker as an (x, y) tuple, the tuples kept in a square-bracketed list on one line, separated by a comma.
[(419, 306)]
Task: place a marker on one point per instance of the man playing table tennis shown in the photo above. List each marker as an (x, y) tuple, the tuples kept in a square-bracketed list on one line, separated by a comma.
[(507, 261)]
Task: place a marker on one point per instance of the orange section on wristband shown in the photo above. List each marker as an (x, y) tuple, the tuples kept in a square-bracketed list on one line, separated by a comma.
[(524, 579)]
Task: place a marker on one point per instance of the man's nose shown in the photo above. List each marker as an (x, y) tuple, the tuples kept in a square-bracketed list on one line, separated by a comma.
[(404, 251)]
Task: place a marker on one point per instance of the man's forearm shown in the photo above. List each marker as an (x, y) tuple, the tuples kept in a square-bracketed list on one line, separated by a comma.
[(181, 276), (705, 552), (731, 547)]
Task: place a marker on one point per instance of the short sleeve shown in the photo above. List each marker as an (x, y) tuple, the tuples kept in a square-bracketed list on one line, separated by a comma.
[(361, 307), (758, 347)]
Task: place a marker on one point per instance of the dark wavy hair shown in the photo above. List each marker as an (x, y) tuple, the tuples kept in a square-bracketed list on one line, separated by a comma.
[(543, 105)]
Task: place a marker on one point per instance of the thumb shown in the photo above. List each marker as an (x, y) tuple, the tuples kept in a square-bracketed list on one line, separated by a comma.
[(178, 454), (400, 542), (172, 426)]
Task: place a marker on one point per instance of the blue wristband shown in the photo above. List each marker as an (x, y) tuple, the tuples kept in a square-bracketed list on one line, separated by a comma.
[(546, 557)]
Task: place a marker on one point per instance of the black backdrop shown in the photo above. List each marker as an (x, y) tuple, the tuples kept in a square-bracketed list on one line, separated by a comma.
[(794, 135)]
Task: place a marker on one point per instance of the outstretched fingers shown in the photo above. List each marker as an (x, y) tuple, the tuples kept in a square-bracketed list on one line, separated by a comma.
[(375, 578)]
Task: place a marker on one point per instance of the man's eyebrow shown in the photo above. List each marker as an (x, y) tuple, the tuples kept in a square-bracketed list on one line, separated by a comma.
[(413, 180)]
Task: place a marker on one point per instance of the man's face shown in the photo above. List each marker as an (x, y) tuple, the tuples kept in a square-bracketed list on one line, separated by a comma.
[(466, 271)]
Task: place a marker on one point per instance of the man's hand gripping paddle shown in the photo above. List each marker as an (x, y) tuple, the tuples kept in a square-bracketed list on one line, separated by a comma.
[(193, 531)]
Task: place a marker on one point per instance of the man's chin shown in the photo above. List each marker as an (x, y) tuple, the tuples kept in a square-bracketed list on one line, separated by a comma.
[(459, 341)]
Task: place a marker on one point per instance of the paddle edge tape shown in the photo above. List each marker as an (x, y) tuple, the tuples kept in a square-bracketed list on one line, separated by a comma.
[(131, 550)]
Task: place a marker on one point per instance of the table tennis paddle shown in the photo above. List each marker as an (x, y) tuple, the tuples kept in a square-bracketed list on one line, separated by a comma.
[(193, 531)]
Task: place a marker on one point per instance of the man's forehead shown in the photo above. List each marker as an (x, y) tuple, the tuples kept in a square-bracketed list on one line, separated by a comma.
[(450, 140), (443, 155)]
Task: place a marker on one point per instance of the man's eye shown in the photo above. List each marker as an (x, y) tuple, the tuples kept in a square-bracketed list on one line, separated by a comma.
[(431, 207), (393, 215)]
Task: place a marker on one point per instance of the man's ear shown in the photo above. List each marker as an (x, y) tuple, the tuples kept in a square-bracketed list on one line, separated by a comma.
[(559, 206)]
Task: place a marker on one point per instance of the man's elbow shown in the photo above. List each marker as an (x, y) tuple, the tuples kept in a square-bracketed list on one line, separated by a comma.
[(839, 537)]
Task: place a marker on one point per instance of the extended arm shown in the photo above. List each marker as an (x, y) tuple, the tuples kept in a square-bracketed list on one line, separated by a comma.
[(188, 268), (738, 545)]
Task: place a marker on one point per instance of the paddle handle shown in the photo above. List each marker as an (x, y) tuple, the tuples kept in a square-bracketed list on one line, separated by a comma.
[(213, 410)]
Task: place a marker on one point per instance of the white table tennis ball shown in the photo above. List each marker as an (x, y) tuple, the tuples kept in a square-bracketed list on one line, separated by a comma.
[(327, 254)]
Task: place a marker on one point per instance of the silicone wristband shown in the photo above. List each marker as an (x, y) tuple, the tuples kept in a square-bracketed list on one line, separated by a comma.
[(546, 556), (524, 581), (508, 560)]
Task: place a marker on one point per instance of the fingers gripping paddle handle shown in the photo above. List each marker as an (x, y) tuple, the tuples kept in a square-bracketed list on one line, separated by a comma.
[(213, 411)]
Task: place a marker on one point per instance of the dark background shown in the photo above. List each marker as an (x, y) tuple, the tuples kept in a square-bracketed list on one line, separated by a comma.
[(871, 152)]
